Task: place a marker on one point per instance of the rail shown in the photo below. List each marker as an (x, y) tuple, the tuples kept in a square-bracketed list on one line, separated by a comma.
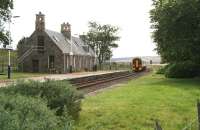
[(90, 84)]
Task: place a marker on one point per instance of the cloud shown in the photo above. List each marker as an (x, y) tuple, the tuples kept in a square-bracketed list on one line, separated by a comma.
[(130, 15)]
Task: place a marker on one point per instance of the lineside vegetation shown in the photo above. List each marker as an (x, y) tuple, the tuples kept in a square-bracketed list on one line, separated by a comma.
[(176, 34), (136, 105)]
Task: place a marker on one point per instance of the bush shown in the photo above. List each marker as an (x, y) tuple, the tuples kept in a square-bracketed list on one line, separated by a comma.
[(185, 69), (162, 70), (60, 97), (26, 113)]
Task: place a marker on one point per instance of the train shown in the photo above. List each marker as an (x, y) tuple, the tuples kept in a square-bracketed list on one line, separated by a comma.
[(138, 65)]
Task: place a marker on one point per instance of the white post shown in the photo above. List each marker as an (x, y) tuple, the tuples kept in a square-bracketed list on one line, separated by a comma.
[(71, 56), (67, 61), (64, 63), (74, 61), (9, 43)]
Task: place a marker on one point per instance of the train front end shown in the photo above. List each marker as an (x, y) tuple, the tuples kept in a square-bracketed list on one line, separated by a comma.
[(137, 65)]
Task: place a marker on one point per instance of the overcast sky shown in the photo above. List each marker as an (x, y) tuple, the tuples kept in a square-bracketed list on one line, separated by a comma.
[(131, 16)]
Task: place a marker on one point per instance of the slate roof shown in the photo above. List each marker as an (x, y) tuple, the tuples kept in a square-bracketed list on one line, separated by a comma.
[(78, 46)]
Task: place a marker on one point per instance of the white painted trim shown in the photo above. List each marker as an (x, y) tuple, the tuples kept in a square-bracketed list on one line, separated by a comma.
[(64, 64), (74, 61), (68, 61)]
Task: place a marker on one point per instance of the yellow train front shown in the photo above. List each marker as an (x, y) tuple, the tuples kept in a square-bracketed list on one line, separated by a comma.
[(138, 65)]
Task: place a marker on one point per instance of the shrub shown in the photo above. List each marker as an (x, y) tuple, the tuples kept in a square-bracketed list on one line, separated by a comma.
[(25, 113), (162, 70), (185, 69), (60, 97)]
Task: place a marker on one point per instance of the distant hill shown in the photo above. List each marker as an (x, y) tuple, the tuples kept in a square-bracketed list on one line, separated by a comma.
[(155, 59)]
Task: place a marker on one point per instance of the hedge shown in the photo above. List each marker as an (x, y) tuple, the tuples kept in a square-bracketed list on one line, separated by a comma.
[(186, 69), (162, 70)]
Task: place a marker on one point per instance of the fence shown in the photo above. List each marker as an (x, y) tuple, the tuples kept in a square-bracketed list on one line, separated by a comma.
[(115, 66), (4, 60)]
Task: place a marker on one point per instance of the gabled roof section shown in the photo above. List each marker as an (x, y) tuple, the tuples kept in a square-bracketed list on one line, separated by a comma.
[(65, 44), (79, 43)]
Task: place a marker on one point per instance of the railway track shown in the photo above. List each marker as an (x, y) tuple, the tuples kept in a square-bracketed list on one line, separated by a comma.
[(93, 83)]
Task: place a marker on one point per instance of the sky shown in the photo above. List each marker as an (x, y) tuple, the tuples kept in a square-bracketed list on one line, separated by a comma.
[(131, 16)]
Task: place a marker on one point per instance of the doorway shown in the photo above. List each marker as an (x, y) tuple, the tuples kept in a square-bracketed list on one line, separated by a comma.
[(35, 66)]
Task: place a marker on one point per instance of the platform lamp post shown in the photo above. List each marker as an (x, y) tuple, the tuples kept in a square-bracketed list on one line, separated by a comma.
[(9, 47)]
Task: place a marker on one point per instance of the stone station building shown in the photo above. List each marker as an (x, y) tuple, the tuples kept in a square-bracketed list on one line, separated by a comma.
[(53, 52)]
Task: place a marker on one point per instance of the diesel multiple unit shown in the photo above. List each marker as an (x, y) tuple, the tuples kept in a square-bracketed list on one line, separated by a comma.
[(138, 65)]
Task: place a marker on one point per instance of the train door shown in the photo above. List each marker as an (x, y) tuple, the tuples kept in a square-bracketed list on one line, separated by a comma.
[(136, 64)]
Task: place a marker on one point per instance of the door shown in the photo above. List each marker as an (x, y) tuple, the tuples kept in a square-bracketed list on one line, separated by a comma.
[(51, 62), (35, 65)]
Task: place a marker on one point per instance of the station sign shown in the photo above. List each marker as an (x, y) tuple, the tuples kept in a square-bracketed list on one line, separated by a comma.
[(9, 47)]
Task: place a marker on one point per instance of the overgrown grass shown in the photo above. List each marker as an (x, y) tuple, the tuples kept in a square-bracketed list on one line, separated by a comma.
[(136, 105)]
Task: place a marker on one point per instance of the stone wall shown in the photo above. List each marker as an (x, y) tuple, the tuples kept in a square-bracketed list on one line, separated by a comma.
[(49, 49), (41, 58), (61, 63)]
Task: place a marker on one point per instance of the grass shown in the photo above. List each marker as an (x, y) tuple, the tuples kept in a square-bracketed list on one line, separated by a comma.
[(136, 105), (19, 75), (4, 58)]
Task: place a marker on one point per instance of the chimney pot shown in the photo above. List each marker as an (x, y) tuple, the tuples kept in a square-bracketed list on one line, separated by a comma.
[(66, 30), (40, 22)]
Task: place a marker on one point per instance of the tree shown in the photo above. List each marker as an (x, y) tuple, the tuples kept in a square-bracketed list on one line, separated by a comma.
[(102, 38), (5, 8), (176, 25)]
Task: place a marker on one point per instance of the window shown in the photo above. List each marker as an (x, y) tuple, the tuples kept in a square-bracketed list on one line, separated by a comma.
[(55, 38), (40, 19), (40, 46), (76, 43), (86, 48), (51, 62)]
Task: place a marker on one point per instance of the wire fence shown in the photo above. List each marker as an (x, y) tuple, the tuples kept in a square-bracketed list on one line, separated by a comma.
[(4, 60), (115, 66)]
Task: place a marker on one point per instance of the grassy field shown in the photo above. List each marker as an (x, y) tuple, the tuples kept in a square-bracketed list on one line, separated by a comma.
[(4, 59), (135, 106), (18, 75)]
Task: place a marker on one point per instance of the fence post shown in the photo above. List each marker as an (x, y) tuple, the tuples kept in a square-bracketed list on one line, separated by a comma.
[(198, 112), (157, 126)]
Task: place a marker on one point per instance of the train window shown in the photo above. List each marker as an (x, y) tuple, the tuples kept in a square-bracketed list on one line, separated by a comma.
[(137, 63)]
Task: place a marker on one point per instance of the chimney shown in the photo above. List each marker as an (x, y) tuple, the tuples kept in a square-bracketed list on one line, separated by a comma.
[(40, 22), (66, 30)]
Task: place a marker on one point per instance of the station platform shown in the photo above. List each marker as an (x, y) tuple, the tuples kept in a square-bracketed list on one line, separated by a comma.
[(61, 76), (70, 75)]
